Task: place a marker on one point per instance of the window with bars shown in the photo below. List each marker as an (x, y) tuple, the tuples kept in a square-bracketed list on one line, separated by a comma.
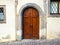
[(54, 6), (2, 14)]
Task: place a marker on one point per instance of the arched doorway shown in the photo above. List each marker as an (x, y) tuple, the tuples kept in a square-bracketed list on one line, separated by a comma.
[(30, 23)]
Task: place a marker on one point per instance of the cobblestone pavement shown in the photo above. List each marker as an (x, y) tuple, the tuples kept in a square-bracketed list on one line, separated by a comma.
[(33, 42)]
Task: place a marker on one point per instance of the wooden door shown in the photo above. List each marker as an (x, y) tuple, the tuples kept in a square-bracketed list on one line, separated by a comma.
[(30, 23)]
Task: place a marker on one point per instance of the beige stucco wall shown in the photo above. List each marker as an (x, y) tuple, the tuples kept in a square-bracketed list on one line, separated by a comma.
[(8, 29), (53, 27), (53, 23)]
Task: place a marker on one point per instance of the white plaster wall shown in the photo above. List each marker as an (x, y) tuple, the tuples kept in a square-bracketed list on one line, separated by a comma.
[(8, 28), (23, 2), (53, 27)]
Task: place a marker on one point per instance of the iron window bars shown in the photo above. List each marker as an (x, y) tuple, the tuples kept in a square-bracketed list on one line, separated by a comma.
[(2, 14), (54, 7)]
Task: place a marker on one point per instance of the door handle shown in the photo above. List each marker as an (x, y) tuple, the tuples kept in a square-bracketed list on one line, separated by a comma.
[(31, 25)]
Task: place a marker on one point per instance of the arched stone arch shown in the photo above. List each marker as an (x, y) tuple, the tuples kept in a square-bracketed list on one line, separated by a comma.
[(31, 5), (41, 13)]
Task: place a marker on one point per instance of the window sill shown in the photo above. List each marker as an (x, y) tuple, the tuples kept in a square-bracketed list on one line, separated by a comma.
[(54, 15)]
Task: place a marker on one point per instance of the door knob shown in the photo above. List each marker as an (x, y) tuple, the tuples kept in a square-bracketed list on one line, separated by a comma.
[(31, 25)]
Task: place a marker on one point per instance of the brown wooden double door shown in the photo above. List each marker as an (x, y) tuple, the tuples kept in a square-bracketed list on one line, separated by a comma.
[(30, 23)]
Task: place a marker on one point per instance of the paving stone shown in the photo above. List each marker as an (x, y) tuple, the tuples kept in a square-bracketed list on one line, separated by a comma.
[(14, 43), (4, 43), (34, 42), (30, 43), (45, 42)]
